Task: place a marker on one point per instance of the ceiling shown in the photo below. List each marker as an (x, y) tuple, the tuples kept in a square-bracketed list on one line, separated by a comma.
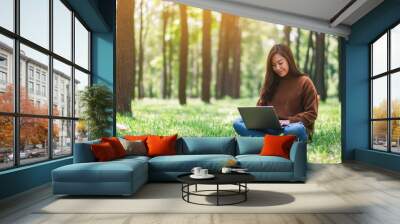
[(327, 16)]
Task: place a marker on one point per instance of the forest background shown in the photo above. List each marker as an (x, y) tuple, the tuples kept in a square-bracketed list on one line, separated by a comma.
[(186, 70)]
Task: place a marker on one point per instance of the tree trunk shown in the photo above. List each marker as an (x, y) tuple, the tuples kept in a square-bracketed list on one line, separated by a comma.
[(286, 31), (141, 53), (236, 53), (191, 71), (226, 59), (298, 47), (218, 83), (320, 65), (165, 16), (126, 55), (311, 66), (183, 54), (309, 46), (170, 56), (223, 56), (341, 67), (206, 56)]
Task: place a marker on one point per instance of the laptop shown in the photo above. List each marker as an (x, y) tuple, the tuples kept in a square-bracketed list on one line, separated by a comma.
[(260, 117)]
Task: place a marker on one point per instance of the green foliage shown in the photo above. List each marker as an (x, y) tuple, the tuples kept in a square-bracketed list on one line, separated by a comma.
[(97, 105), (166, 117)]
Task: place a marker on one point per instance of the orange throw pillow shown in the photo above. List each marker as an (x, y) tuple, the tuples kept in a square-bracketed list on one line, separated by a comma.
[(277, 145), (161, 145), (103, 152), (116, 145)]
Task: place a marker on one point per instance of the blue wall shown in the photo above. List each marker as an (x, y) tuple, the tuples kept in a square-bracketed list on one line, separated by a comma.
[(356, 91), (24, 178), (103, 63), (99, 16)]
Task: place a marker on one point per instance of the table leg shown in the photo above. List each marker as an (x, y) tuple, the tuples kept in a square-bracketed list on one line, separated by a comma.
[(217, 194), (245, 193), (188, 189), (196, 188)]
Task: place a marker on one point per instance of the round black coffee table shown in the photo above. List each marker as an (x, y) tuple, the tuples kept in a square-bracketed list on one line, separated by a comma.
[(238, 179)]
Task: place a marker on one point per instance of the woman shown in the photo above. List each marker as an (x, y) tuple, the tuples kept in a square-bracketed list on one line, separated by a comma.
[(292, 94)]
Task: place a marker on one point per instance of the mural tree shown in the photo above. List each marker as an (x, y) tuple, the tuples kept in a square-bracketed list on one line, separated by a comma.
[(225, 52), (183, 54), (126, 52), (206, 56)]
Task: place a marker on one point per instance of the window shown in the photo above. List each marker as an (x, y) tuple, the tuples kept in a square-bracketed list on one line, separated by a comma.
[(81, 81), (33, 148), (385, 96), (3, 61), (3, 78), (34, 21), (30, 87), (7, 14), (30, 72), (62, 29), (62, 74), (6, 73), (45, 131), (3, 72), (81, 45), (62, 142), (44, 91), (37, 75), (7, 142)]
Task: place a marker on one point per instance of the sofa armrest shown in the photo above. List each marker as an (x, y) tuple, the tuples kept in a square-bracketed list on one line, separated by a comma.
[(83, 152), (298, 155)]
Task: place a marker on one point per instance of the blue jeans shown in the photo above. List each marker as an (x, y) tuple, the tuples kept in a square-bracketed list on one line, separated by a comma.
[(297, 129)]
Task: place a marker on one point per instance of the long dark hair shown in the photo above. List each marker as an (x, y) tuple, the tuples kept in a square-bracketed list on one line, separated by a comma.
[(271, 79)]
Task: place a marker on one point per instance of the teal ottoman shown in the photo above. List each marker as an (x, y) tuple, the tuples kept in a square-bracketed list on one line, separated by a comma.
[(118, 177)]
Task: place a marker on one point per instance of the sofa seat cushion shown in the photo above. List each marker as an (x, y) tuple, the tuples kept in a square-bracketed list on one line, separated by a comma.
[(112, 171), (185, 163), (257, 163), (133, 158)]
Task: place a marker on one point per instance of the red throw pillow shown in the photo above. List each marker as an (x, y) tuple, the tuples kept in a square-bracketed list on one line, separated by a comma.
[(161, 145), (103, 151), (277, 145), (116, 145)]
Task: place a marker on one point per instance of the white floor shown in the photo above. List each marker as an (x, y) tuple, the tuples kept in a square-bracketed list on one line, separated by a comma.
[(377, 189)]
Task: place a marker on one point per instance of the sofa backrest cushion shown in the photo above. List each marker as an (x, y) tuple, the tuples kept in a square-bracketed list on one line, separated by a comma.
[(83, 152), (249, 145), (206, 145)]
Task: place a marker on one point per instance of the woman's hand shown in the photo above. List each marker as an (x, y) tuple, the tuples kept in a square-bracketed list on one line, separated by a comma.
[(284, 122)]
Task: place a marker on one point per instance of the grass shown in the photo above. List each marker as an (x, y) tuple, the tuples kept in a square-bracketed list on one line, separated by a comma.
[(166, 117)]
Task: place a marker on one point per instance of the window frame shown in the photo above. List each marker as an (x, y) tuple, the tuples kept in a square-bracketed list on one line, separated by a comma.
[(388, 74), (16, 114)]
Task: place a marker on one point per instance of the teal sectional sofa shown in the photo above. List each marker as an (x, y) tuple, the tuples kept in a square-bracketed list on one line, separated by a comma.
[(125, 176)]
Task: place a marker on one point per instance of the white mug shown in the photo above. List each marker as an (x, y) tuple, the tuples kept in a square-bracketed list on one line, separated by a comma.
[(203, 172), (226, 170), (196, 170)]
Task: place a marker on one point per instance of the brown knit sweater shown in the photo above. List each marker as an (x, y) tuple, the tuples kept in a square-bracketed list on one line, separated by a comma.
[(295, 99)]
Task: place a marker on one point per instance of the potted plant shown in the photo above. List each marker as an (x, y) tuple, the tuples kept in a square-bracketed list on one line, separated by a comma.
[(97, 109)]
